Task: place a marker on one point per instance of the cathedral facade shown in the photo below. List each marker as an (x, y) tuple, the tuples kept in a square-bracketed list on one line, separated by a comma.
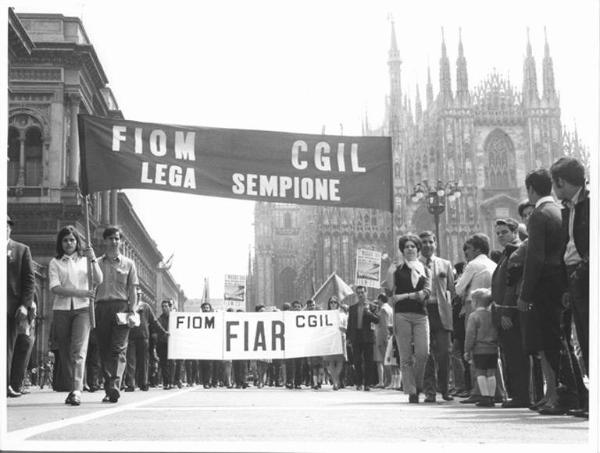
[(485, 138)]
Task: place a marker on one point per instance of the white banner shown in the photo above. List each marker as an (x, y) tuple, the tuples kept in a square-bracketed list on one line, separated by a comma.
[(234, 293), (368, 268), (249, 336)]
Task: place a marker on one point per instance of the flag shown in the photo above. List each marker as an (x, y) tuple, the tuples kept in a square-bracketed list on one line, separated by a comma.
[(333, 286), (205, 291)]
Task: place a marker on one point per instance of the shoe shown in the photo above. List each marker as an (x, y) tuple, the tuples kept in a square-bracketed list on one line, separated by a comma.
[(473, 399), (447, 397), (463, 394), (581, 413), (335, 387), (144, 388), (553, 409), (452, 392), (514, 404), (298, 387), (498, 399), (429, 399), (485, 401), (359, 387), (106, 399), (12, 393), (367, 388), (413, 398), (73, 399), (113, 395), (130, 389), (24, 391), (179, 385), (538, 405)]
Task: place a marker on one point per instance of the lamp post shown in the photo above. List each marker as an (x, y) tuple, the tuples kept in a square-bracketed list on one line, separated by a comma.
[(436, 199)]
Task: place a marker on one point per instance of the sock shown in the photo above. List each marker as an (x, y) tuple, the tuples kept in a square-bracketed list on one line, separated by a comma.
[(491, 385), (482, 384)]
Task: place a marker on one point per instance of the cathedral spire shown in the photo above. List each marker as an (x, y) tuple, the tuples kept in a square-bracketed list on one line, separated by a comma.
[(429, 89), (462, 81), (548, 72), (530, 90), (445, 95), (418, 106)]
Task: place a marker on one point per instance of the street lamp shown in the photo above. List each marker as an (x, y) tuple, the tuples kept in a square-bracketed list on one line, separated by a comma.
[(436, 199)]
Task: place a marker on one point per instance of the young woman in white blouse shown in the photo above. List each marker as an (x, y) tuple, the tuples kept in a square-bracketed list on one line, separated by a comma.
[(68, 275)]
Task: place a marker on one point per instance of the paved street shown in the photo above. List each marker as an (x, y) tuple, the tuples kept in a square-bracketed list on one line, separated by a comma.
[(272, 419)]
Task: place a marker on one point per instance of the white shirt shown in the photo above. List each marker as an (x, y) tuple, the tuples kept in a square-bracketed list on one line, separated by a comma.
[(69, 272), (477, 274), (544, 200), (571, 254)]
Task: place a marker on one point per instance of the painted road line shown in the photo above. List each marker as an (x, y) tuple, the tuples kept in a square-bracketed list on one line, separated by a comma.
[(22, 434)]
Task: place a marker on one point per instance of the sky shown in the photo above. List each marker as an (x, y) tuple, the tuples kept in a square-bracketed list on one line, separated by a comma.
[(301, 66)]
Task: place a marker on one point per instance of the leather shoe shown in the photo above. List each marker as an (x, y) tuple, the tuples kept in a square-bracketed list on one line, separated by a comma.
[(463, 394), (73, 399), (367, 388), (551, 409), (485, 401), (447, 397), (12, 393), (144, 388), (473, 399), (582, 413), (112, 395), (359, 387), (130, 389), (413, 398), (514, 404), (429, 399)]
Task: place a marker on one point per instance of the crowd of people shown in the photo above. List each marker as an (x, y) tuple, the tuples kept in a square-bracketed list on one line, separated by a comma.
[(508, 328)]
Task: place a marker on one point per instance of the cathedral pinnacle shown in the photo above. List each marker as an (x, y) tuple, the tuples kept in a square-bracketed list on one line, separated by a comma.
[(445, 85), (394, 54), (549, 93), (530, 90), (462, 83), (429, 89)]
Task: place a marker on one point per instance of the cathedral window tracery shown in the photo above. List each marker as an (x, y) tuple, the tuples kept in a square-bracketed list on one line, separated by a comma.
[(500, 171)]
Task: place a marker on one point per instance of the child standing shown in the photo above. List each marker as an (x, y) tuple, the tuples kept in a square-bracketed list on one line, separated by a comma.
[(481, 345)]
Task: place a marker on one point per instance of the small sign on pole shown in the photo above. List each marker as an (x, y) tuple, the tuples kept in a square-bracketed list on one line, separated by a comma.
[(235, 292), (368, 268)]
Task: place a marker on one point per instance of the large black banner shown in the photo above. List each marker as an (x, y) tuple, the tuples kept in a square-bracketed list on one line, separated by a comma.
[(258, 165)]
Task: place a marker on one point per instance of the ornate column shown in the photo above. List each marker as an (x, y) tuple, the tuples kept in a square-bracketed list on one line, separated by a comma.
[(105, 208), (74, 101), (21, 175)]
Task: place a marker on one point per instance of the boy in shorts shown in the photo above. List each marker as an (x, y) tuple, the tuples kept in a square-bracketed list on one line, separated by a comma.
[(481, 345)]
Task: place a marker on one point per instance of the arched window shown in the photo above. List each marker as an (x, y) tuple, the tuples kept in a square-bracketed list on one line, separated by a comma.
[(33, 157), (500, 170), (14, 145), (287, 220), (287, 279)]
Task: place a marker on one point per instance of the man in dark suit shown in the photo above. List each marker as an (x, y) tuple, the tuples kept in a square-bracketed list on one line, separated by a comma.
[(506, 317), (568, 181), (543, 280), (361, 336), (20, 288)]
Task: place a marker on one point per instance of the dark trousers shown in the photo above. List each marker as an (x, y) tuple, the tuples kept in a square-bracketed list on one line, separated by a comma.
[(138, 358), (163, 362), (11, 341), (362, 359), (192, 372), (20, 360), (580, 303), (206, 370), (516, 361), (572, 390), (438, 361), (240, 368), (112, 342), (293, 371), (93, 365)]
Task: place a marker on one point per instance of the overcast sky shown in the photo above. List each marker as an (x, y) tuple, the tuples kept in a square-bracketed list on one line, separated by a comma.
[(299, 66)]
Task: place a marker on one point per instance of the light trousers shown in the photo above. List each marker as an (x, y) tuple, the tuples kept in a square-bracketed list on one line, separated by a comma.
[(72, 334), (412, 337)]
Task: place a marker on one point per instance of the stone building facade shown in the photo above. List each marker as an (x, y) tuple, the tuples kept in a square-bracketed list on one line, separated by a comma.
[(486, 138), (53, 75)]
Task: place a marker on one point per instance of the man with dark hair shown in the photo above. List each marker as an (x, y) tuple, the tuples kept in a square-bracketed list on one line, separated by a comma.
[(477, 274), (543, 281), (439, 311), (568, 181), (20, 289), (116, 302), (361, 337), (507, 317)]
